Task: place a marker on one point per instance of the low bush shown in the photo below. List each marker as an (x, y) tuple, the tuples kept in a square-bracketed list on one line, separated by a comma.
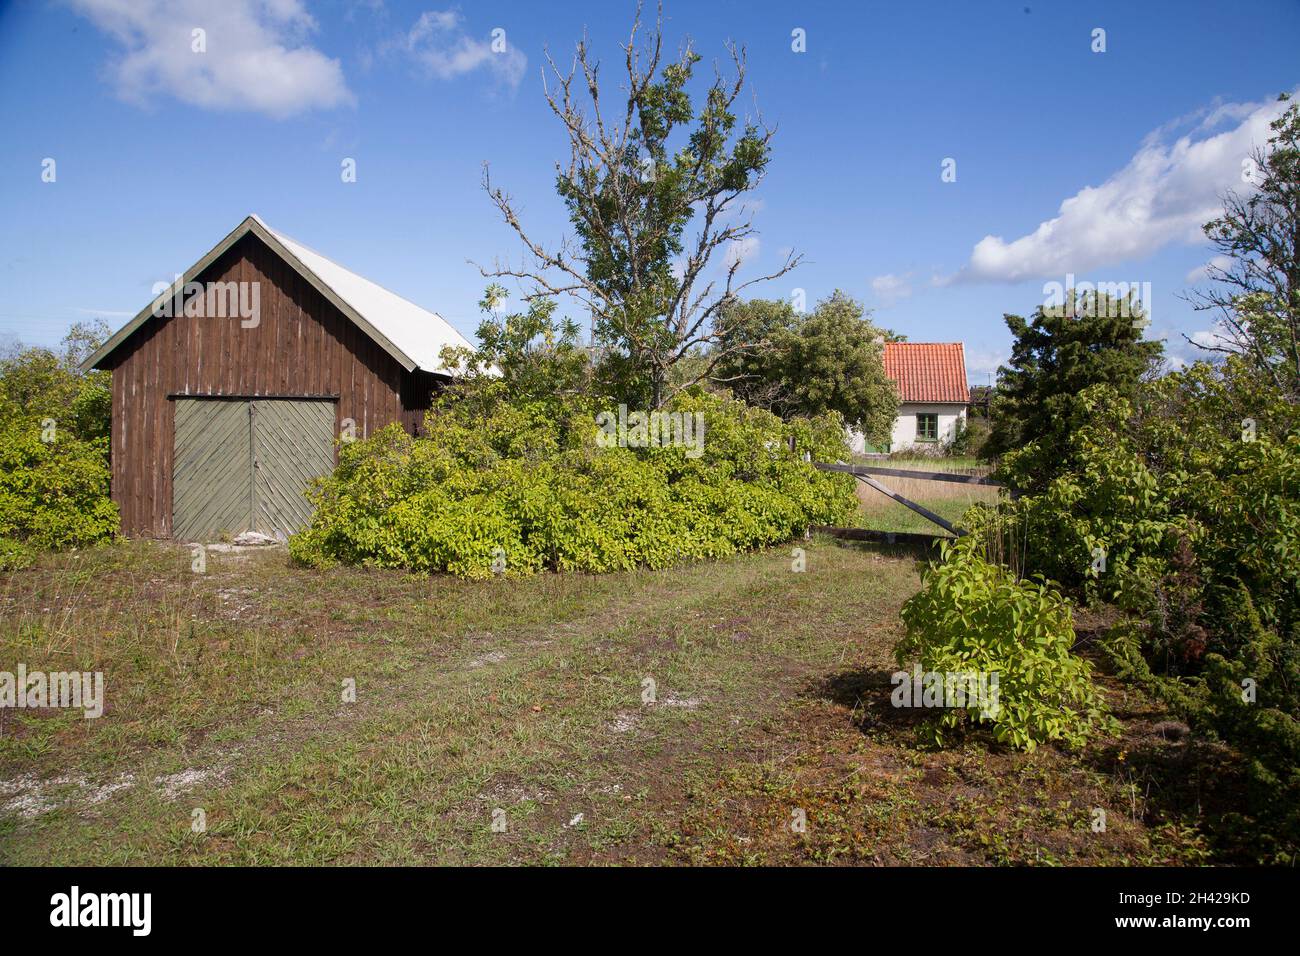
[(514, 487), (974, 617), (14, 555), (1182, 509), (53, 487)]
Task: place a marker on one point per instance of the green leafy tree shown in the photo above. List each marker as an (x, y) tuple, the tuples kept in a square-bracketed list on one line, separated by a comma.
[(528, 366), (531, 354), (836, 364), (756, 360), (1091, 339), (41, 383), (1255, 286), (654, 191), (829, 361)]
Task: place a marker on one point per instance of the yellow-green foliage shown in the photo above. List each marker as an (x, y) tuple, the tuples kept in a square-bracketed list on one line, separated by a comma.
[(54, 424), (53, 488), (496, 484), (972, 616)]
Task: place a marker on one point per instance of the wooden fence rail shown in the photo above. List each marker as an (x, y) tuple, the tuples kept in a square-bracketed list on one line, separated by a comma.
[(864, 474), (880, 537), (860, 470)]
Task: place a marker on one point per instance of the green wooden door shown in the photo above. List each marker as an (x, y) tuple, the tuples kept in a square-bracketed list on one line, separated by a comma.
[(245, 465), (293, 443), (212, 469)]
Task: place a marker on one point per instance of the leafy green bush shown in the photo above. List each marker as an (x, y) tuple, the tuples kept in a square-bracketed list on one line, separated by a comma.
[(1192, 494), (521, 486), (53, 494), (14, 555), (1197, 517), (1102, 507), (54, 424), (969, 437), (44, 383), (973, 616)]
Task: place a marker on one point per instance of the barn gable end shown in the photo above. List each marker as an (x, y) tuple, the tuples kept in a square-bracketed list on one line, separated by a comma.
[(302, 346)]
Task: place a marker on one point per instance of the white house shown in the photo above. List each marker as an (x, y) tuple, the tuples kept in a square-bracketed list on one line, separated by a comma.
[(931, 379)]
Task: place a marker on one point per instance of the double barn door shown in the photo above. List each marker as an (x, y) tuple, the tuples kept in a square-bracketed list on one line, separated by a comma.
[(244, 465)]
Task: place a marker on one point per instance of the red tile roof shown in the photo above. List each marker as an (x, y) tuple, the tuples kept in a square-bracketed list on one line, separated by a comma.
[(928, 371)]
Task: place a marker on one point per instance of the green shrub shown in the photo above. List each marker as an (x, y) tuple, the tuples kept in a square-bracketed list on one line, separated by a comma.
[(54, 425), (14, 555), (53, 494), (1192, 492), (969, 437), (523, 486), (1092, 525), (973, 616), (47, 383)]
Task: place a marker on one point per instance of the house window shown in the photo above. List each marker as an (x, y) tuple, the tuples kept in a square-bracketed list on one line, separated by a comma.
[(927, 426)]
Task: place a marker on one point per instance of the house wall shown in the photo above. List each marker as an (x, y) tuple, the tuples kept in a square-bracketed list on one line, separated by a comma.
[(302, 346), (904, 435)]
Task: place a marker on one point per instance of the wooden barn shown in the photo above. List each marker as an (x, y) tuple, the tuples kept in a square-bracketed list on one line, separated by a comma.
[(231, 387)]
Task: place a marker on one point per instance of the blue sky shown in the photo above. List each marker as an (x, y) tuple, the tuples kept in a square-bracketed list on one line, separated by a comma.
[(1100, 165)]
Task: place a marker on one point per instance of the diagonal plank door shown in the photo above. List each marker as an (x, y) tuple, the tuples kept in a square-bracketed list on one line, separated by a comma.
[(293, 443), (212, 485)]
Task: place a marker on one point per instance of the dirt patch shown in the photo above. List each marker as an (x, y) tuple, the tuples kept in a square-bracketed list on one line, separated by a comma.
[(484, 660), (176, 785), (29, 796)]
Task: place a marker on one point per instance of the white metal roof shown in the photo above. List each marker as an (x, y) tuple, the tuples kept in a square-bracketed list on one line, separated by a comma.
[(412, 335), (417, 332)]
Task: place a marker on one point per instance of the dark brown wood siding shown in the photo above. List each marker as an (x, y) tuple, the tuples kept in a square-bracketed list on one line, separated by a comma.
[(302, 346)]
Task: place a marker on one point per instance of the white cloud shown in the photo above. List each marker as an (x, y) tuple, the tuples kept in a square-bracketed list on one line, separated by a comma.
[(1202, 272), (983, 362), (740, 251), (439, 44), (257, 56), (1217, 337), (890, 288), (1163, 195)]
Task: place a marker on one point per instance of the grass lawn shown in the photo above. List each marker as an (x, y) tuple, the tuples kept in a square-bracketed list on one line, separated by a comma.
[(522, 701)]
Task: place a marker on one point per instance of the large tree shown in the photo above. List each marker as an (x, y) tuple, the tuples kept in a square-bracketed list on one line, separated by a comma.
[(830, 360), (1090, 340), (1255, 280), (757, 375), (655, 192)]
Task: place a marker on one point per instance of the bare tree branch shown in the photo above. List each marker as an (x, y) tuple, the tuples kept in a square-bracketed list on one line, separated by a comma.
[(631, 187)]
